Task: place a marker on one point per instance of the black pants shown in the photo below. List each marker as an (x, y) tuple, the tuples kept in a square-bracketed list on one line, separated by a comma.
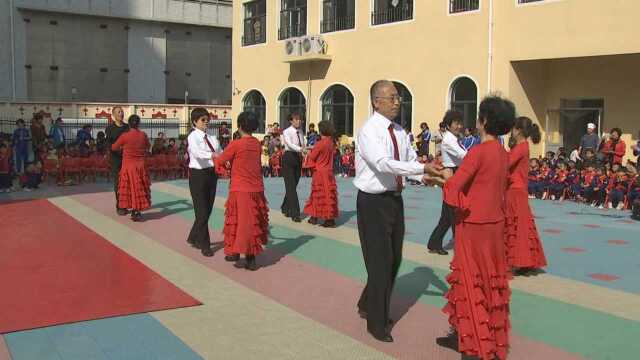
[(202, 185), (291, 170), (381, 231), (116, 165), (447, 217)]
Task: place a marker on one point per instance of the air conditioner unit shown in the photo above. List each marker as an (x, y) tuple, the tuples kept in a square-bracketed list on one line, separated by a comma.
[(292, 47), (312, 45)]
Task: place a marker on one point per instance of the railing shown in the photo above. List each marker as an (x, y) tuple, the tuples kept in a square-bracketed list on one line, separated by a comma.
[(286, 32), (528, 1), (255, 30), (337, 24), (393, 15), (171, 128), (458, 6)]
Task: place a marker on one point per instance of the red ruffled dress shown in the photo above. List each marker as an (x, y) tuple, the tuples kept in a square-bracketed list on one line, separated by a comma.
[(478, 298), (323, 201), (523, 245), (134, 186), (246, 215)]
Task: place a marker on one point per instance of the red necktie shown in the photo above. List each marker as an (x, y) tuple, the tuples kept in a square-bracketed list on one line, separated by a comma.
[(209, 143), (396, 156)]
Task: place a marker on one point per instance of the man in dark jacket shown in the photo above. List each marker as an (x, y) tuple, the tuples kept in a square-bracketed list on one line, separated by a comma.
[(112, 132)]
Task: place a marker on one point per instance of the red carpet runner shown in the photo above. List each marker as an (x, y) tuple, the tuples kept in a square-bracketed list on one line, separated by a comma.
[(54, 270)]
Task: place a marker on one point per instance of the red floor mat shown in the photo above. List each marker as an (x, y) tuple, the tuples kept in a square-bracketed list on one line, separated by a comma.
[(54, 270)]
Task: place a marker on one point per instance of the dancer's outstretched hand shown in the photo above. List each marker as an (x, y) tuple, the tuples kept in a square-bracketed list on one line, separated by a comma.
[(432, 169)]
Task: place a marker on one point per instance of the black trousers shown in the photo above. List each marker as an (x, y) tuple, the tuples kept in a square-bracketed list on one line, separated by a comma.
[(447, 217), (116, 165), (291, 170), (202, 185), (381, 231)]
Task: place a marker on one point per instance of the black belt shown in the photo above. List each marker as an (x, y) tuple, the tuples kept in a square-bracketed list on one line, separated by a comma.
[(386, 193)]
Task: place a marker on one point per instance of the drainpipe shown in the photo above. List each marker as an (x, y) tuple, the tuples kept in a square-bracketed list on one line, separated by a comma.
[(490, 48), (13, 52)]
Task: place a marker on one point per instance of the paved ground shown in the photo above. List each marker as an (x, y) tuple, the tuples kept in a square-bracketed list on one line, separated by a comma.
[(301, 303)]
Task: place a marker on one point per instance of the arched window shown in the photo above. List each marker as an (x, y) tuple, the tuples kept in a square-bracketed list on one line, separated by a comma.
[(292, 100), (406, 106), (254, 101), (464, 98), (337, 107)]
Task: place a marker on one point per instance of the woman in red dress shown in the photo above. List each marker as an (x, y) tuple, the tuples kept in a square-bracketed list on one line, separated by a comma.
[(524, 249), (478, 299), (323, 201), (134, 187), (246, 216)]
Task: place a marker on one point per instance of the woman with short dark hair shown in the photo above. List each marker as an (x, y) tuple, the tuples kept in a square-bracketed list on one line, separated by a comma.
[(478, 299), (614, 149), (134, 186), (246, 216)]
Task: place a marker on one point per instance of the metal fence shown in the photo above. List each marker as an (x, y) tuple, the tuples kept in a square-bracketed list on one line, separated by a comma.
[(401, 13), (172, 128), (458, 6)]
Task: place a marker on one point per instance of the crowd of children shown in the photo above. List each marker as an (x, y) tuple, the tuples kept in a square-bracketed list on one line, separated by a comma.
[(597, 183)]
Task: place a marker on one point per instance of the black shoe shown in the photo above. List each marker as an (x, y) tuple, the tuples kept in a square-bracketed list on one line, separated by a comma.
[(250, 263), (193, 244), (136, 216), (382, 337), (122, 212), (296, 219), (313, 221), (329, 224), (239, 264), (438, 251), (207, 252), (232, 258), (450, 341), (285, 214)]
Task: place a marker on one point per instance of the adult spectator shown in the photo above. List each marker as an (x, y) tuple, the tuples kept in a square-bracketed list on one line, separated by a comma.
[(225, 135), (424, 138), (83, 137), (20, 140), (57, 134), (438, 136), (636, 151), (38, 132), (614, 149), (589, 140)]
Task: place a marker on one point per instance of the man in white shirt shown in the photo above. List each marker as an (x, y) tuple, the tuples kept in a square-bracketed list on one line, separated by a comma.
[(452, 154), (202, 148), (293, 142), (383, 157)]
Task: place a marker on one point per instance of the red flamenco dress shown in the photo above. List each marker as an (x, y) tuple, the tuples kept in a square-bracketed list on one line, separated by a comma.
[(134, 186), (246, 215), (323, 201), (523, 245), (478, 298)]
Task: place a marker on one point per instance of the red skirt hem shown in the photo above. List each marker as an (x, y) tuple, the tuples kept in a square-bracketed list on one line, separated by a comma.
[(523, 245), (246, 223), (323, 201), (134, 187), (479, 294)]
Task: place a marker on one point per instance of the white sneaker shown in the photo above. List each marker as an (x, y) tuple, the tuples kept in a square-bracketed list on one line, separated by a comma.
[(27, 189), (620, 206), (593, 204), (610, 205), (600, 207), (553, 197)]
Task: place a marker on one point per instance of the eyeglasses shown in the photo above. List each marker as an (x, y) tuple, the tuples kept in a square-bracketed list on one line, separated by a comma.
[(393, 98)]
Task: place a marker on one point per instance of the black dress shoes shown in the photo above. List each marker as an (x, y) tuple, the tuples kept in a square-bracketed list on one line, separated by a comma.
[(438, 251), (296, 219), (450, 341), (329, 224), (207, 252), (382, 337), (122, 212), (250, 263), (363, 314), (136, 216), (232, 258), (313, 221)]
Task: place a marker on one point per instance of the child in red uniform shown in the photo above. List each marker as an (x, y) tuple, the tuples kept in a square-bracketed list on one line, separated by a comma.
[(275, 162), (323, 201), (478, 300), (134, 186), (246, 215), (344, 162), (524, 249)]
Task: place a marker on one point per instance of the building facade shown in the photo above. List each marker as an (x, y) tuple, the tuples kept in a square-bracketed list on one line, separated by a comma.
[(141, 51), (564, 63)]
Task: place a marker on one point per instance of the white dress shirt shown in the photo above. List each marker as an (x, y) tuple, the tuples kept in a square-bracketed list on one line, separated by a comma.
[(200, 155), (452, 150), (292, 139), (376, 168)]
